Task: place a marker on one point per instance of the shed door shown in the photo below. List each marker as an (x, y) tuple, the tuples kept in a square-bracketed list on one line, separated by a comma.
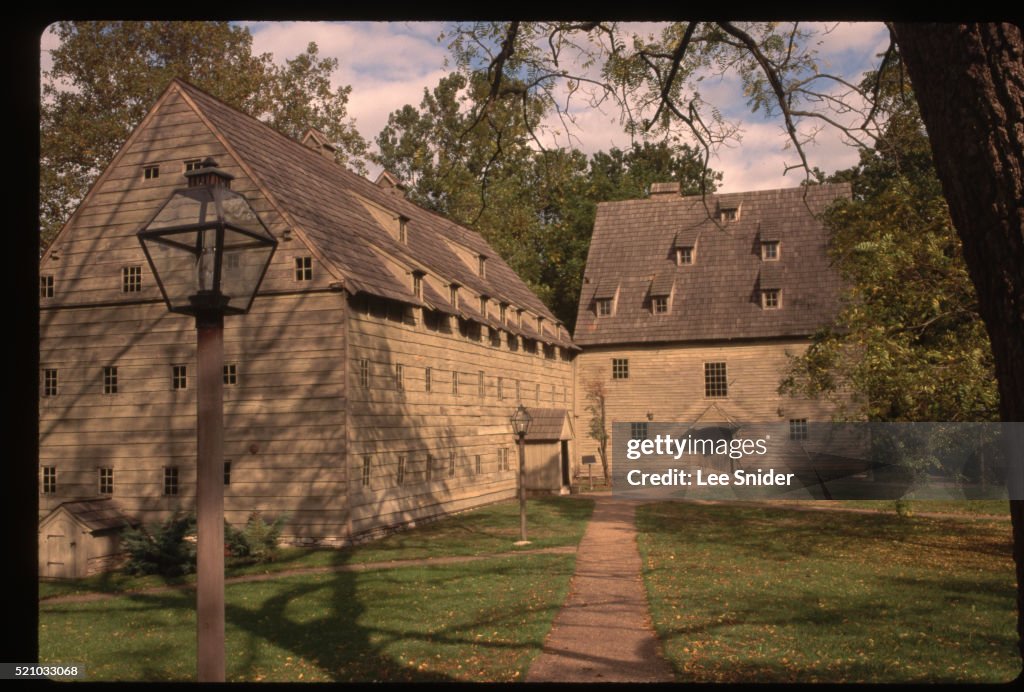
[(61, 550)]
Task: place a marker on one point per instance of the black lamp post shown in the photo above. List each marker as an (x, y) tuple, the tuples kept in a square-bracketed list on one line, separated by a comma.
[(521, 425), (209, 252)]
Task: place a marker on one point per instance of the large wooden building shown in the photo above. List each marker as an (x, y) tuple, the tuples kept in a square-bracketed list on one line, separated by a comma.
[(370, 386), (692, 306)]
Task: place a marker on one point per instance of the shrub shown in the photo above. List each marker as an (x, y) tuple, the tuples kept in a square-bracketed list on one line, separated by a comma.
[(162, 549), (261, 537)]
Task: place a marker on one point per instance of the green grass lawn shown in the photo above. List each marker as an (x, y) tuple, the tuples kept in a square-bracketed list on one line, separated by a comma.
[(474, 621), (744, 594), (492, 529), (477, 621)]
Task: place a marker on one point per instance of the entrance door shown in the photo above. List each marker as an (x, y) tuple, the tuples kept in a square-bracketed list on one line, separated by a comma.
[(565, 463)]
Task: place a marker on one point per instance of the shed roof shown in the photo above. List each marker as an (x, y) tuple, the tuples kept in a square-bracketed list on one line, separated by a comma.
[(98, 514), (547, 424), (716, 297)]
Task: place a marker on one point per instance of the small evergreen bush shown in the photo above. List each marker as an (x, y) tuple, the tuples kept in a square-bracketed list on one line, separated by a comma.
[(162, 549)]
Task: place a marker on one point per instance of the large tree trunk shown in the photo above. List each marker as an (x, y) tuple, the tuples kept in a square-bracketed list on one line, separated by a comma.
[(969, 83)]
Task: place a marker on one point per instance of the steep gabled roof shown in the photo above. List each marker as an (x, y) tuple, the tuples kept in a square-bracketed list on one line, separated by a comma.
[(719, 295), (340, 214)]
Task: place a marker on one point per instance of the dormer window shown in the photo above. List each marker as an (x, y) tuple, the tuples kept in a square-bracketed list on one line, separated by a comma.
[(769, 250), (684, 256), (771, 299), (483, 305), (403, 230), (540, 324), (519, 318), (727, 214), (659, 305), (603, 307), (482, 266), (417, 284), (504, 312)]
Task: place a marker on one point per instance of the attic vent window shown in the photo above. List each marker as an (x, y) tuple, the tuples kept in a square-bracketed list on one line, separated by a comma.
[(770, 250), (482, 267), (403, 229), (46, 286), (150, 172), (684, 256), (771, 299), (131, 279), (303, 268), (193, 165)]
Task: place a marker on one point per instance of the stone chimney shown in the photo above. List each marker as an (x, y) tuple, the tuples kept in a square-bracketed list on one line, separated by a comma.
[(665, 189)]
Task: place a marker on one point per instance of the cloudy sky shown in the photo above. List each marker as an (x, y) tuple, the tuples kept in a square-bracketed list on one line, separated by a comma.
[(389, 65)]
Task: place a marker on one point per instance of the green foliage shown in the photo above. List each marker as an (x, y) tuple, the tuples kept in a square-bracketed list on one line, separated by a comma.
[(479, 163), (105, 75), (909, 344), (162, 549), (259, 539)]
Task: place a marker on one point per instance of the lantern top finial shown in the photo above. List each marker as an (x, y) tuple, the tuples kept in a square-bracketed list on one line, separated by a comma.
[(209, 174)]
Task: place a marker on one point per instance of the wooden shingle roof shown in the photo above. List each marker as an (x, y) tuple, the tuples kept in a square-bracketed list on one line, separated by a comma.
[(99, 514), (341, 213), (718, 296)]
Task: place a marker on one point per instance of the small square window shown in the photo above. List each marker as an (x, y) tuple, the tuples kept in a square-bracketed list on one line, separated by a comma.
[(400, 471), (193, 165), (399, 377), (620, 368), (684, 256), (50, 382), (770, 250), (46, 286), (366, 471), (604, 307), (659, 304), (170, 480), (716, 385), (798, 428), (131, 279), (150, 172), (49, 480), (478, 464), (638, 431), (227, 472), (303, 268), (451, 464), (230, 374), (110, 379), (179, 377), (106, 481), (771, 299), (364, 373)]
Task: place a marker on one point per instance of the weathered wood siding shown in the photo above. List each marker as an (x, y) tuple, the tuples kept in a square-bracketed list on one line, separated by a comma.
[(667, 381), (284, 419), (386, 423)]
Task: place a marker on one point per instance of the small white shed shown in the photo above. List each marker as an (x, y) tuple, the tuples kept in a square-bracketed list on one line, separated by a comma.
[(548, 450)]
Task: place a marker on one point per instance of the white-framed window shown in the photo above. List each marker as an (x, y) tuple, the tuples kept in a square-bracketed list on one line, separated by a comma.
[(503, 459), (193, 164), (49, 480), (110, 379), (230, 373), (417, 284), (603, 307), (727, 214), (769, 250), (131, 279), (303, 268), (403, 230), (716, 384), (798, 428), (364, 373), (684, 256), (150, 172), (481, 267), (105, 480), (638, 431), (49, 382), (659, 305), (620, 368), (46, 286), (171, 480), (179, 377), (771, 298)]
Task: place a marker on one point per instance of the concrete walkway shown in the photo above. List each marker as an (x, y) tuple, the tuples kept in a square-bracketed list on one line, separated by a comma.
[(603, 632)]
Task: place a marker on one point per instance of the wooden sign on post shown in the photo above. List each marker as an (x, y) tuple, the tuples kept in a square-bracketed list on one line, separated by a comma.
[(589, 460)]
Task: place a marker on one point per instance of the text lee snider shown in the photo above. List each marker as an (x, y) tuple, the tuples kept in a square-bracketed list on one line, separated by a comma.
[(679, 477)]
